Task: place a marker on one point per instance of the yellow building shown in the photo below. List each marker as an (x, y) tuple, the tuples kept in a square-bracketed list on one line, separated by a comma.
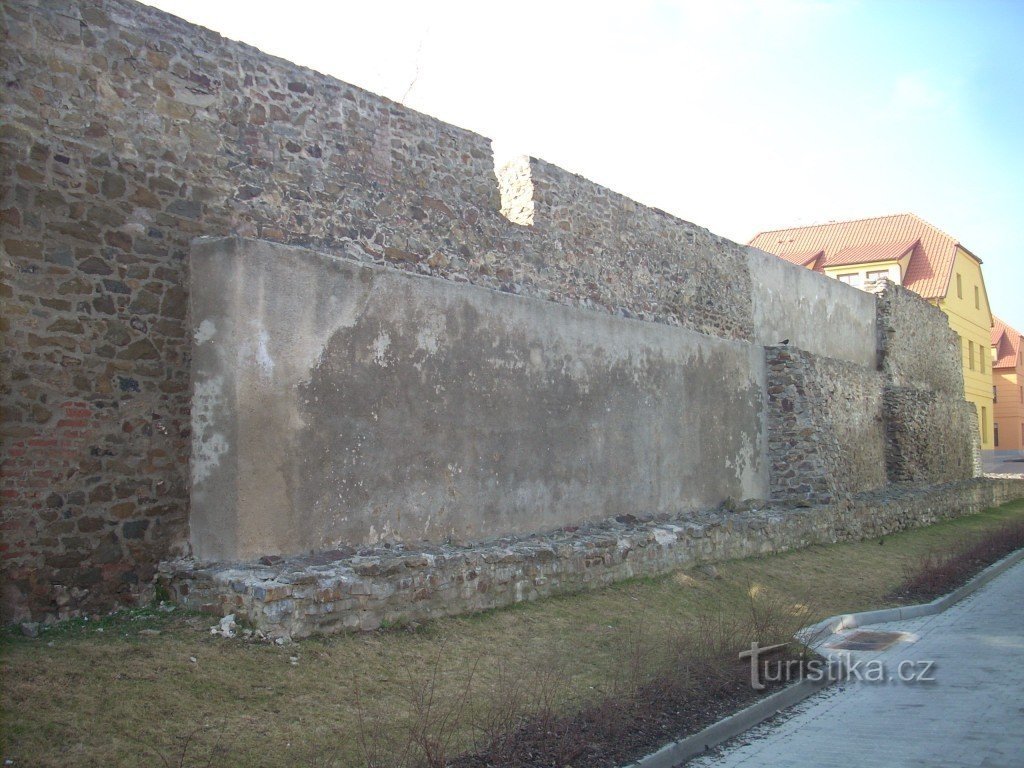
[(912, 253)]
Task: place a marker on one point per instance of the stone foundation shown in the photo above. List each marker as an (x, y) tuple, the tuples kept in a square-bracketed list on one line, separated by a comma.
[(343, 591)]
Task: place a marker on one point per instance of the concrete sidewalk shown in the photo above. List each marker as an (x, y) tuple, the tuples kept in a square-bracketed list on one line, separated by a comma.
[(971, 715), (1003, 462)]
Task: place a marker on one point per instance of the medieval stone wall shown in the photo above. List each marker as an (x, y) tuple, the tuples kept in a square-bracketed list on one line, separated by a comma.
[(931, 430), (826, 436), (916, 346), (126, 133), (344, 591), (928, 436)]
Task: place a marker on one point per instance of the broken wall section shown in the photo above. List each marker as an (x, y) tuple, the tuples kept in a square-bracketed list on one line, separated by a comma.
[(636, 260)]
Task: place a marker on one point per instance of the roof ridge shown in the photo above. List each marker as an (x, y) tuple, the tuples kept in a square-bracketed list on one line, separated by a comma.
[(924, 221), (935, 252), (847, 221), (1008, 342)]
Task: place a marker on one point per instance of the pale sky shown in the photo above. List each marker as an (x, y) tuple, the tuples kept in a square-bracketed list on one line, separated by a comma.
[(737, 115)]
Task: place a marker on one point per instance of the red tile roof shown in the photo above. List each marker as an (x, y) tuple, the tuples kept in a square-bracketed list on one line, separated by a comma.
[(869, 254), (1007, 342), (931, 263), (803, 258)]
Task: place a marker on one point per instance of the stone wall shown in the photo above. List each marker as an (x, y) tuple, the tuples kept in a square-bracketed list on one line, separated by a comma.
[(794, 304), (639, 261), (931, 430), (126, 133), (345, 590), (916, 346), (826, 435), (929, 436)]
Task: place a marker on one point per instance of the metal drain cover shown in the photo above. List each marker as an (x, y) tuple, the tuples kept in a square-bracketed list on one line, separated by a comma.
[(866, 640)]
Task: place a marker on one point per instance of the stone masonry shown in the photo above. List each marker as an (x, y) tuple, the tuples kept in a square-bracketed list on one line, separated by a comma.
[(916, 346), (126, 133), (826, 436), (340, 591), (931, 430)]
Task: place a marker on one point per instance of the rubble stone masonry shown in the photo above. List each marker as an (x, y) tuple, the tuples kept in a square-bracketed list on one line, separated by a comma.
[(126, 133), (339, 591), (826, 436), (931, 430)]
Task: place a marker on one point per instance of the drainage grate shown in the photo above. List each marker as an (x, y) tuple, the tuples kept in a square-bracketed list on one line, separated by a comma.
[(866, 640)]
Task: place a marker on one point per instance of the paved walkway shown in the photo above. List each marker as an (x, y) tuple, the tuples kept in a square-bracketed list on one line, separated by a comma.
[(1005, 463), (972, 715)]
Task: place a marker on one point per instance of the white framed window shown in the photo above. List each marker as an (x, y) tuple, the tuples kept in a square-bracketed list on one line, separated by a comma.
[(851, 278)]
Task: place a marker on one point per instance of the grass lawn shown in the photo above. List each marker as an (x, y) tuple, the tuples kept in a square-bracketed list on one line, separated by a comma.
[(119, 691)]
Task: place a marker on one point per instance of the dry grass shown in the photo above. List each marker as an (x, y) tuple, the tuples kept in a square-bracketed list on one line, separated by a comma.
[(79, 696)]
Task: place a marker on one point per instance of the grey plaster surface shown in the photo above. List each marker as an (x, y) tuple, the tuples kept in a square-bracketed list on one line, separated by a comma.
[(971, 715), (338, 403), (813, 312)]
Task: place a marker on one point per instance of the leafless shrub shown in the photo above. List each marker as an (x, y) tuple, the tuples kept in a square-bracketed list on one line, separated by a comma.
[(935, 573), (500, 716), (185, 755), (437, 717)]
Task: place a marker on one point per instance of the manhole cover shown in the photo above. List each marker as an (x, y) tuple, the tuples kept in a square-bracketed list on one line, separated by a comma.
[(866, 640)]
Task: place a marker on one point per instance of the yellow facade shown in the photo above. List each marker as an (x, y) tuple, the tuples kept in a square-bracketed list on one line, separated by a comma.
[(863, 275), (966, 306)]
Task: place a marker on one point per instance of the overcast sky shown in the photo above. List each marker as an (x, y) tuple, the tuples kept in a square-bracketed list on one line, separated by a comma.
[(737, 115)]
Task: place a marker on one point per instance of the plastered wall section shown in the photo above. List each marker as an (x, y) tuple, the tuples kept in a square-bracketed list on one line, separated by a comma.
[(810, 311), (339, 403)]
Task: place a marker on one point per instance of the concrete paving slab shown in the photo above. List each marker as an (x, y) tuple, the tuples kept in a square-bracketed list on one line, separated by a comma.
[(970, 715)]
